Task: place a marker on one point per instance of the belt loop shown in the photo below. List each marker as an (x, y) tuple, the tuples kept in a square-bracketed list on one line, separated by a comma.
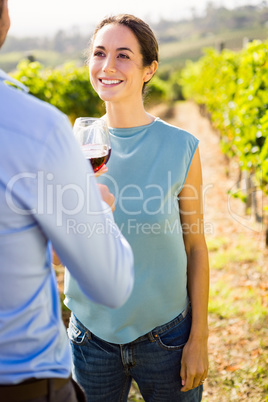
[(151, 336)]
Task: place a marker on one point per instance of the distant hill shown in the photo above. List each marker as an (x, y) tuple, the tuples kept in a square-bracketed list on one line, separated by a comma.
[(179, 40), (216, 20), (219, 28)]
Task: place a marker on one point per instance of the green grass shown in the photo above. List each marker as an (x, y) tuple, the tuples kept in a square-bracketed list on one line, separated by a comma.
[(222, 301), (222, 254), (227, 301), (217, 243)]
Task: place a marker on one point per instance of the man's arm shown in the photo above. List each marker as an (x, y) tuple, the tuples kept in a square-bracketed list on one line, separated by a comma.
[(80, 225)]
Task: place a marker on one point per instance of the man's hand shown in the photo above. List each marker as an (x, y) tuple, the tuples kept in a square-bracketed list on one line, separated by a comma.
[(107, 196), (55, 258)]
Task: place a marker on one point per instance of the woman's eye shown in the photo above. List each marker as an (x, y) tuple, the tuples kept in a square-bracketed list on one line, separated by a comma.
[(123, 56), (99, 54)]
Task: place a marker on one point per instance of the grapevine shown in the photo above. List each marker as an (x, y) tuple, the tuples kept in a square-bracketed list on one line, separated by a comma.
[(233, 86)]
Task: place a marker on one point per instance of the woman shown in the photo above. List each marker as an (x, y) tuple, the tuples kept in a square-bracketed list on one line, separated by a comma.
[(159, 337)]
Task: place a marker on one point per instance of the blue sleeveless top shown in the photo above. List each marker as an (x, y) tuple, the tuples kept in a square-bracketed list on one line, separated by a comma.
[(147, 170)]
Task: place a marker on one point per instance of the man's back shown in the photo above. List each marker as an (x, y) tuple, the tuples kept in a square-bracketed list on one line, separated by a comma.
[(41, 189), (30, 318)]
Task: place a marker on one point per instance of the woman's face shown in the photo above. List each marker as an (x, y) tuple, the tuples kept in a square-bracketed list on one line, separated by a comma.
[(116, 69)]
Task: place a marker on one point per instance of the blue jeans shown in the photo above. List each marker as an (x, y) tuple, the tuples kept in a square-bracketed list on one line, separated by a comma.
[(105, 370)]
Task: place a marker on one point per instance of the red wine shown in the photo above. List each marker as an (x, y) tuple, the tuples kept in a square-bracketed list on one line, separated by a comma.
[(97, 163), (108, 155), (97, 155)]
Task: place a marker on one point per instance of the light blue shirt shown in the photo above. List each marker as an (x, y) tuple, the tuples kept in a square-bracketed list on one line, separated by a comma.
[(147, 170), (48, 193)]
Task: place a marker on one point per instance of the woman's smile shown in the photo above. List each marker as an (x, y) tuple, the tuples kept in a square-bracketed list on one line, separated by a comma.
[(109, 82)]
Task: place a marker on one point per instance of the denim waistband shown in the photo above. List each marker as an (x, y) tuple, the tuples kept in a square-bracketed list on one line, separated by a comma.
[(153, 333), (165, 327)]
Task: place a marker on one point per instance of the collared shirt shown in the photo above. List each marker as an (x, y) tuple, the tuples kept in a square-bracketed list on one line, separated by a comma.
[(48, 194)]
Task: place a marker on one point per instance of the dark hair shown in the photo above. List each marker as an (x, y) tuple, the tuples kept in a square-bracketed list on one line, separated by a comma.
[(145, 36)]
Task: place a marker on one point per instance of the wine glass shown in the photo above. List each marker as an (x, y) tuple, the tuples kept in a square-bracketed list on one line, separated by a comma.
[(93, 135)]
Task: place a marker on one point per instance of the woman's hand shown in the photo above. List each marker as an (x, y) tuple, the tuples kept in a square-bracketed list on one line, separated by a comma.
[(107, 196), (194, 363), (104, 190)]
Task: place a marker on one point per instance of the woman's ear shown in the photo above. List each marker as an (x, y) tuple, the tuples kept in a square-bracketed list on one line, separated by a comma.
[(150, 70)]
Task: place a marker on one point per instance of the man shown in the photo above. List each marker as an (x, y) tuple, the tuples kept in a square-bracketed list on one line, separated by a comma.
[(48, 195)]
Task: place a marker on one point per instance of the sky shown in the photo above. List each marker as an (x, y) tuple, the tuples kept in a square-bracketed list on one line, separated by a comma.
[(46, 17)]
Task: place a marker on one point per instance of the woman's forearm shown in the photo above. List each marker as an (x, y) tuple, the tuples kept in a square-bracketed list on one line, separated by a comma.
[(198, 289)]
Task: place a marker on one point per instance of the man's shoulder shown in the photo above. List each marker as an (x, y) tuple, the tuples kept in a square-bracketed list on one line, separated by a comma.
[(24, 113), (27, 102), (17, 93)]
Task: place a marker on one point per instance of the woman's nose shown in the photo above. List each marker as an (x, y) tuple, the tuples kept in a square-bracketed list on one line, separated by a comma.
[(109, 65)]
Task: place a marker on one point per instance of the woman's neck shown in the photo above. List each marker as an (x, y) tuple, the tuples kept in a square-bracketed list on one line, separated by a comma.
[(125, 116)]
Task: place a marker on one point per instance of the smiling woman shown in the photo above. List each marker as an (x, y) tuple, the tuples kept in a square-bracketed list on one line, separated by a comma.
[(159, 337)]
